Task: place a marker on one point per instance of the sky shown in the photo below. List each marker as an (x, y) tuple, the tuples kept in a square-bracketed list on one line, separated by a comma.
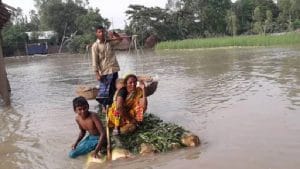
[(114, 10)]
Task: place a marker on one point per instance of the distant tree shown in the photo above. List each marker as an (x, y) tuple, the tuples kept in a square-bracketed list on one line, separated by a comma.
[(71, 19), (61, 17), (296, 24), (86, 25), (266, 5), (18, 18), (289, 12), (205, 18), (79, 42), (216, 12), (146, 21), (14, 36), (232, 23), (268, 26), (257, 18), (244, 10), (170, 5), (88, 22), (34, 23)]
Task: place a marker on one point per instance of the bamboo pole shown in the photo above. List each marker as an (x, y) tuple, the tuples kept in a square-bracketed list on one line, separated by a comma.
[(108, 148)]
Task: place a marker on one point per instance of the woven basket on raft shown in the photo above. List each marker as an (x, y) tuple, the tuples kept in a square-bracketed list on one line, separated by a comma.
[(90, 92), (150, 83), (87, 91)]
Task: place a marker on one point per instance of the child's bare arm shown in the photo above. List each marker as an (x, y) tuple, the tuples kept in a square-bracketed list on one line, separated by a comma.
[(101, 132), (80, 136)]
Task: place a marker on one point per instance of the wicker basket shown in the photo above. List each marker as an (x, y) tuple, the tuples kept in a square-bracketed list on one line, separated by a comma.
[(90, 92), (150, 84), (87, 91), (151, 87)]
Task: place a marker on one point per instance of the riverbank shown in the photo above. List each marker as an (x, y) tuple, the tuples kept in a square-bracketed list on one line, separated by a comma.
[(238, 41)]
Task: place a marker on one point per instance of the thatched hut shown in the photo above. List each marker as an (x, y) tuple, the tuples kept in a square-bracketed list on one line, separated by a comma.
[(4, 84)]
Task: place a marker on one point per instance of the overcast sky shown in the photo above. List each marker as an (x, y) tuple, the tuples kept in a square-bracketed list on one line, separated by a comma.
[(114, 10)]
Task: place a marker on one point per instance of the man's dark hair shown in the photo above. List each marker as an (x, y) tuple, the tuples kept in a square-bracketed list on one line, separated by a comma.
[(80, 102), (99, 27)]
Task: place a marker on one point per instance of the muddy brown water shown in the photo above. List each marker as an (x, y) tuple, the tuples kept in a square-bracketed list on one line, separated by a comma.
[(244, 103)]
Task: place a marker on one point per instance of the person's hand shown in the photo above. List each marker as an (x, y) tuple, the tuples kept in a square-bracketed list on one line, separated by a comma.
[(96, 155), (142, 85), (110, 34), (74, 146), (98, 77)]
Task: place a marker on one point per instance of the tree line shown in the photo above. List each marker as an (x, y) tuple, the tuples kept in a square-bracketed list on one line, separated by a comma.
[(74, 21), (182, 19)]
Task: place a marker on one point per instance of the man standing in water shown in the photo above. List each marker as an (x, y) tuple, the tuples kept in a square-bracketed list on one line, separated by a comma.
[(105, 64), (87, 121)]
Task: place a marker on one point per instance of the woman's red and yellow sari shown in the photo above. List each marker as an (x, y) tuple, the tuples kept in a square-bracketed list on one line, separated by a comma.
[(131, 106)]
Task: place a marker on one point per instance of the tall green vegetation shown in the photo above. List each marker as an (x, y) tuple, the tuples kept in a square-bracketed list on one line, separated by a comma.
[(249, 40)]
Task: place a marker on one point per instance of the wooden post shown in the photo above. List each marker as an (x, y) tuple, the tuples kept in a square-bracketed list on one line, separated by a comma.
[(4, 83)]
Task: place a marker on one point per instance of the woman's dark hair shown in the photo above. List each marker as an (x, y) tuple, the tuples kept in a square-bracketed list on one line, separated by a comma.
[(80, 102), (129, 76)]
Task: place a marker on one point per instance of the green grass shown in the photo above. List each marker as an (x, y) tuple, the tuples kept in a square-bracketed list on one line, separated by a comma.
[(253, 40)]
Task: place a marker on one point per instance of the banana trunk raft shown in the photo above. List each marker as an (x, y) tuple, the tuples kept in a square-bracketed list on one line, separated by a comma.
[(152, 136)]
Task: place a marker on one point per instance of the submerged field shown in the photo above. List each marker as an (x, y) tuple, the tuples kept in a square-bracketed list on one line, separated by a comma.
[(253, 40)]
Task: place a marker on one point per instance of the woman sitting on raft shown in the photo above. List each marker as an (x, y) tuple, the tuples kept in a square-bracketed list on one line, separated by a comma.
[(129, 105)]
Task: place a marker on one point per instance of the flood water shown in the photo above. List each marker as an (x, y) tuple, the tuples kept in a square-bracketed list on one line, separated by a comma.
[(243, 103)]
